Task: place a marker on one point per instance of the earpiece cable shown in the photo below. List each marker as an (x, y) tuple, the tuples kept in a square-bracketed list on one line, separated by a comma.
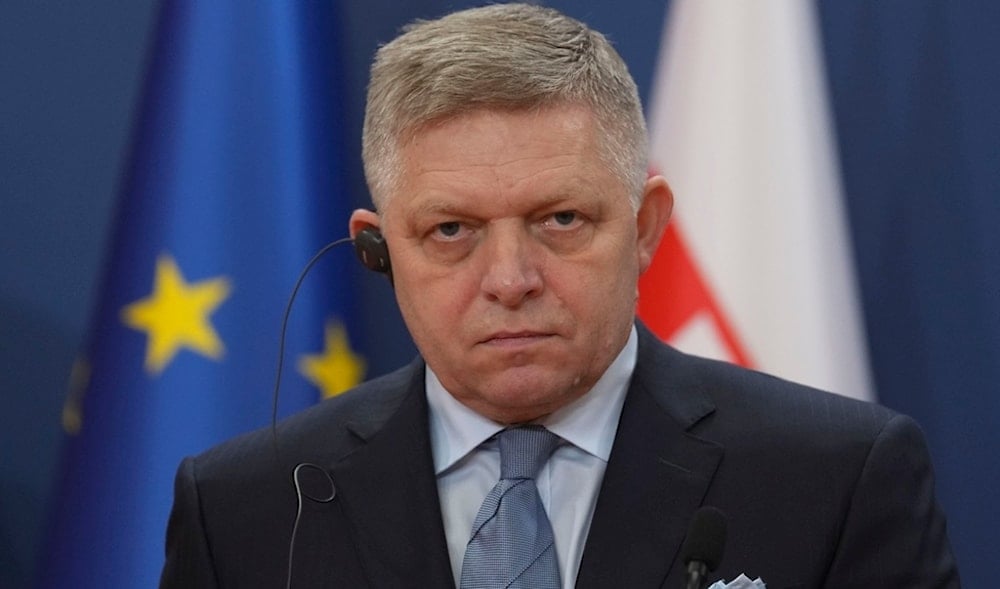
[(281, 340)]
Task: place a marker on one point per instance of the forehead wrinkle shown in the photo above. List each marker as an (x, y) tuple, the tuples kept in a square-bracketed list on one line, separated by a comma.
[(464, 166), (535, 173), (571, 183), (499, 182)]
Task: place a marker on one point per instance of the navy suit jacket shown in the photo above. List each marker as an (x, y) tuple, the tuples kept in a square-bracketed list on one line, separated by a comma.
[(819, 490)]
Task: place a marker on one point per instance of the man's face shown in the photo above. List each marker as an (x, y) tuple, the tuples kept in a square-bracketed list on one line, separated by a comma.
[(515, 256)]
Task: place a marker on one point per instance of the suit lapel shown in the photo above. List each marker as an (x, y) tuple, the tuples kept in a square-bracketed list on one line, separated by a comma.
[(388, 492), (656, 478)]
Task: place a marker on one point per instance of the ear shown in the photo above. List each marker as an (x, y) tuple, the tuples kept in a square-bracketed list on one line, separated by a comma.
[(652, 218), (360, 219)]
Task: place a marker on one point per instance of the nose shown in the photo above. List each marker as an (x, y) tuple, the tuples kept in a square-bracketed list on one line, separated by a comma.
[(512, 266)]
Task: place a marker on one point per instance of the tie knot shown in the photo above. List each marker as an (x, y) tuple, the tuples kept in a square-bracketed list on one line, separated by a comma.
[(523, 451)]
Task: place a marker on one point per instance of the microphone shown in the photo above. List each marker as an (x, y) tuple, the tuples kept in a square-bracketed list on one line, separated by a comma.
[(703, 546)]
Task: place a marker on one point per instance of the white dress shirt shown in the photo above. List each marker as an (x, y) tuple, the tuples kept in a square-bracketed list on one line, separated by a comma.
[(467, 461)]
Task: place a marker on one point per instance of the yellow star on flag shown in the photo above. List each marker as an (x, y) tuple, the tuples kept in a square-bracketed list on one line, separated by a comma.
[(176, 315), (337, 368)]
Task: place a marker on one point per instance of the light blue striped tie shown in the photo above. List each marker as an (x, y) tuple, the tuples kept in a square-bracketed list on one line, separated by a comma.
[(512, 545)]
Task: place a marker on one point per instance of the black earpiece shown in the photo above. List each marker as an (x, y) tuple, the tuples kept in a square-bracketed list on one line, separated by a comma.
[(372, 250)]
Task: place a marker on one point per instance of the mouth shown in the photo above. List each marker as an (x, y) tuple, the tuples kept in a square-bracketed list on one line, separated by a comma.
[(513, 339)]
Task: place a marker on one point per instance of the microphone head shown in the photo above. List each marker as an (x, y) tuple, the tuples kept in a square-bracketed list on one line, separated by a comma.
[(706, 538)]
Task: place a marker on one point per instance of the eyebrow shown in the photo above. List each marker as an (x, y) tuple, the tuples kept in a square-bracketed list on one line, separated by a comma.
[(435, 208)]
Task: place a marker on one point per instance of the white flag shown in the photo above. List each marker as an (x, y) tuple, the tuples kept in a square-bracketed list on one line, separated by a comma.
[(756, 267)]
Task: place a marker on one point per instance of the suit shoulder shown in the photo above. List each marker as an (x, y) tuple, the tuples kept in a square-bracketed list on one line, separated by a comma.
[(321, 432), (748, 400), (789, 400)]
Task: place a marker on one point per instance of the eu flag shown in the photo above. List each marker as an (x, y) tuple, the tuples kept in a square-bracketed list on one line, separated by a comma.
[(235, 181)]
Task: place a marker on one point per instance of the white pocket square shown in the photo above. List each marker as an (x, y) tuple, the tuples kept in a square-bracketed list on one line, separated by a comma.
[(740, 582)]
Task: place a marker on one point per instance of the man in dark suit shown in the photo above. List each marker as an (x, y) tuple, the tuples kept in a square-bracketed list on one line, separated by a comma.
[(506, 155)]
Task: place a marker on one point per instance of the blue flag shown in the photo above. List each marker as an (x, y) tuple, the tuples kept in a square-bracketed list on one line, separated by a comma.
[(235, 181)]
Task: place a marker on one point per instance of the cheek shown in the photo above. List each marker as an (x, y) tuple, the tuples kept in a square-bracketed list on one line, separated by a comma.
[(599, 292), (422, 301), (432, 306)]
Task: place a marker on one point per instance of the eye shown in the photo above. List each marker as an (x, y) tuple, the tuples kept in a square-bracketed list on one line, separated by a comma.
[(563, 220), (449, 229), (448, 242), (564, 217)]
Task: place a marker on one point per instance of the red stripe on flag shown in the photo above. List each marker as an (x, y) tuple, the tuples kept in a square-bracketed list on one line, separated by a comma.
[(672, 292)]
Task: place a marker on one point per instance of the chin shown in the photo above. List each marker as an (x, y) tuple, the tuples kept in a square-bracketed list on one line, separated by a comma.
[(525, 393)]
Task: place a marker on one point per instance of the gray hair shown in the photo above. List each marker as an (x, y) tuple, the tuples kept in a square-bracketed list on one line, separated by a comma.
[(506, 57)]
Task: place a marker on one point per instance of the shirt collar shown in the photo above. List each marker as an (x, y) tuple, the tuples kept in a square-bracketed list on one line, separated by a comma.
[(588, 423)]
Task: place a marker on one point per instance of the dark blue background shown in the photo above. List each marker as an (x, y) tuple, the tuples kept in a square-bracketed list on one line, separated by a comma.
[(915, 91)]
